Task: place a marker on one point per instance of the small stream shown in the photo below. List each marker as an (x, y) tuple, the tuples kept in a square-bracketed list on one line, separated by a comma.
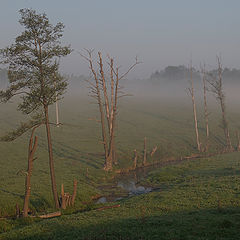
[(131, 188), (130, 183)]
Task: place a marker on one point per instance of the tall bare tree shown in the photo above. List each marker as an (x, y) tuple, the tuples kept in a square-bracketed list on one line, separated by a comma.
[(105, 89), (206, 113), (191, 91), (216, 82)]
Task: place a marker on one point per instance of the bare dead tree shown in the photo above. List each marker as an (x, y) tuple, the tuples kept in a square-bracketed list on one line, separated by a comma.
[(191, 90), (206, 113), (216, 82), (107, 101)]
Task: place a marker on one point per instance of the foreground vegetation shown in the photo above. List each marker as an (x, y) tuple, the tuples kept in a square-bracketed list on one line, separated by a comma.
[(198, 199)]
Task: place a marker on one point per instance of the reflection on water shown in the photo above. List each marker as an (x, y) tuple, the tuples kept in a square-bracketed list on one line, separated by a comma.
[(129, 183), (102, 200), (132, 189)]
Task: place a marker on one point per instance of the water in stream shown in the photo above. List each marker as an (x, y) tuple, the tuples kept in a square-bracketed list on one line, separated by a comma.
[(129, 183)]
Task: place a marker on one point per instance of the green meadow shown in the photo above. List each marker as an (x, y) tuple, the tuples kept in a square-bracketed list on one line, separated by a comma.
[(196, 198)]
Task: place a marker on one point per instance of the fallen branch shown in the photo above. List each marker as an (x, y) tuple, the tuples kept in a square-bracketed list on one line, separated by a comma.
[(107, 207), (51, 215)]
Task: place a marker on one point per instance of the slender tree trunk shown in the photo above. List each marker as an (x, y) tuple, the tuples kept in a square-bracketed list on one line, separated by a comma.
[(31, 150), (225, 126), (56, 105), (57, 113), (51, 162), (107, 167), (194, 112), (114, 153), (113, 119), (205, 110), (109, 108), (221, 98)]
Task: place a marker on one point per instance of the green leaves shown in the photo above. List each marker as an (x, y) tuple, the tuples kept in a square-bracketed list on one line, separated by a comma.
[(33, 65), (36, 121), (33, 62)]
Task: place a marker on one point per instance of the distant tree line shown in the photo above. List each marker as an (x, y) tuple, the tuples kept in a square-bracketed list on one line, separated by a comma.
[(181, 72)]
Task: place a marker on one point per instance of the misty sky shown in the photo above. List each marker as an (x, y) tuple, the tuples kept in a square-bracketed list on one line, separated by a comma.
[(159, 32)]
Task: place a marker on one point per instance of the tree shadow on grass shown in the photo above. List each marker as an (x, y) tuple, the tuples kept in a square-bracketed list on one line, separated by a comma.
[(40, 203), (200, 224), (12, 193)]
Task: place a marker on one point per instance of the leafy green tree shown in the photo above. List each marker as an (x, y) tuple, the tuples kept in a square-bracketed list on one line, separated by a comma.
[(33, 71)]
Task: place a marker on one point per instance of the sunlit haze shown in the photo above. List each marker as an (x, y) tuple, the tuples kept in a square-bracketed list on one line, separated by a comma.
[(159, 32)]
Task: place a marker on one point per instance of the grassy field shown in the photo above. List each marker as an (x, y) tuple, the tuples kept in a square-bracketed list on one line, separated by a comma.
[(198, 199), (170, 213)]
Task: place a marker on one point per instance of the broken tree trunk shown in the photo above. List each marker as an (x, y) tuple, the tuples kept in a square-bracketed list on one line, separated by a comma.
[(153, 151), (63, 197), (135, 159), (145, 152), (67, 199), (31, 150)]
